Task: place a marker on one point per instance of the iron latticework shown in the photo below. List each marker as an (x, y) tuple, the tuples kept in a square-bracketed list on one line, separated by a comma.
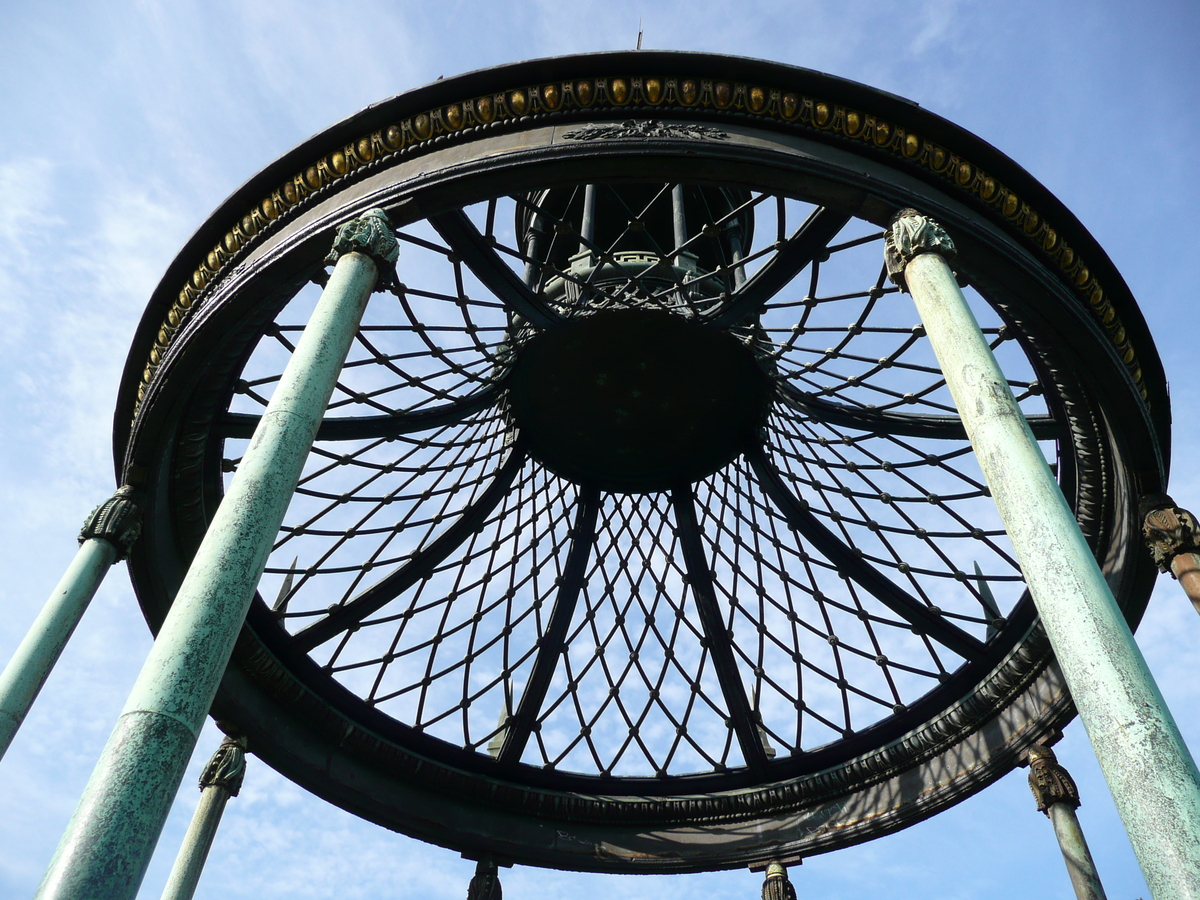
[(641, 532)]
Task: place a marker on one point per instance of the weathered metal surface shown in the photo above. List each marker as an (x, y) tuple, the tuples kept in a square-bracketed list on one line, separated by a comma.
[(776, 884), (1057, 796), (108, 842), (1173, 536), (220, 780), (1049, 781), (1145, 761), (485, 883), (37, 653), (118, 520), (1078, 858), (227, 768)]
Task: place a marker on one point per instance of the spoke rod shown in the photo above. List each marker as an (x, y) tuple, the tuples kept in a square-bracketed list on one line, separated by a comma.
[(922, 619), (422, 565), (1045, 428), (793, 257), (553, 642), (357, 428), (716, 633), (460, 233), (111, 836), (1148, 767)]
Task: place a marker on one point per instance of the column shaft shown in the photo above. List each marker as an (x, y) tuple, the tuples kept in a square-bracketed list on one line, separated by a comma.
[(1148, 767), (30, 666), (108, 843), (1080, 866), (189, 864)]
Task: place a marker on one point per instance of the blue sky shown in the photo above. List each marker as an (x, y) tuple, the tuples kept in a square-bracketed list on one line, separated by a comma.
[(126, 123)]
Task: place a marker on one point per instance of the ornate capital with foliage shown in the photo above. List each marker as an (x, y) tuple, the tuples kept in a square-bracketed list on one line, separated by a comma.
[(485, 884), (1049, 781), (1169, 531), (117, 520), (371, 233), (911, 234), (776, 885), (227, 768)]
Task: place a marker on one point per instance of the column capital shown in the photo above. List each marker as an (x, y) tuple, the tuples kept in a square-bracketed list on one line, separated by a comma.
[(118, 520), (910, 234), (1169, 531), (1049, 781), (227, 768), (777, 886), (371, 234), (485, 883)]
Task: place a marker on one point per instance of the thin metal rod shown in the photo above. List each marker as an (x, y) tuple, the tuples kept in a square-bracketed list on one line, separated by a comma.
[(736, 253), (1149, 770), (678, 219), (1080, 866), (798, 515), (378, 595), (189, 864), (587, 226), (221, 779), (1186, 569), (111, 836), (30, 666), (553, 642), (716, 632)]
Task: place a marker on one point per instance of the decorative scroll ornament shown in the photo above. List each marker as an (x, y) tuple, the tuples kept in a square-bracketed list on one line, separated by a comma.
[(776, 885), (227, 768), (646, 130), (1168, 532), (1049, 781), (371, 233), (117, 520), (485, 884), (911, 234)]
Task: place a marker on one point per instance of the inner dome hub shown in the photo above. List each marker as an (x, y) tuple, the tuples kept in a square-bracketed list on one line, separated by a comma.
[(636, 400)]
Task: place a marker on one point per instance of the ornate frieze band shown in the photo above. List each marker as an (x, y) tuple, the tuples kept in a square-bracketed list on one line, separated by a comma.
[(649, 94)]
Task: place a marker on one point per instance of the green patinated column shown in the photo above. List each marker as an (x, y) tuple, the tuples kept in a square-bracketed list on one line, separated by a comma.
[(1148, 767), (220, 780), (109, 841), (1056, 795), (107, 536)]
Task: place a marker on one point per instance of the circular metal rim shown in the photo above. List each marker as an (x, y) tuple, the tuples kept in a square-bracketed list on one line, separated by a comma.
[(1055, 708)]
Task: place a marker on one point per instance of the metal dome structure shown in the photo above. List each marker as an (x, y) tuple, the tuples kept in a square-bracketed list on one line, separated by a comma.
[(756, 611), (641, 531)]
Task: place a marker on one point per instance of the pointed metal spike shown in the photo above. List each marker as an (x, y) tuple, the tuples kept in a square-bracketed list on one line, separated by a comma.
[(768, 750), (989, 601), (281, 601), (497, 742)]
